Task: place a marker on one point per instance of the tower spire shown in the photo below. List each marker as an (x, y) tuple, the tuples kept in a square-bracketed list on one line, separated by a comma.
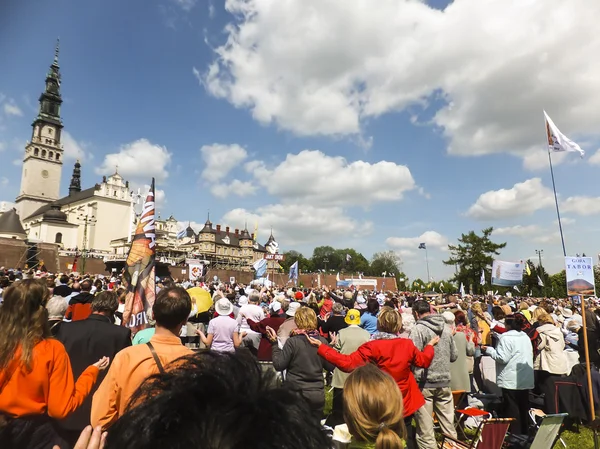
[(56, 50), (75, 186)]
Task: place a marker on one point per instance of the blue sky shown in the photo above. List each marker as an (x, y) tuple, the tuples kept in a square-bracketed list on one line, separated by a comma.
[(332, 121)]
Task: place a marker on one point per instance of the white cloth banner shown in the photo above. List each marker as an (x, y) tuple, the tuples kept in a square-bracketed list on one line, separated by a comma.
[(507, 274), (195, 271), (557, 141)]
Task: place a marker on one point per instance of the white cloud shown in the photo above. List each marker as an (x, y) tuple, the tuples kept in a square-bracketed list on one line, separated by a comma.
[(194, 224), (6, 205), (406, 253), (139, 160), (565, 221), (314, 177), (518, 230), (186, 5), (432, 239), (548, 237), (524, 198), (220, 159), (581, 205), (595, 158), (2, 146), (327, 68), (537, 159), (300, 223), (73, 149), (236, 187), (3, 181), (11, 108)]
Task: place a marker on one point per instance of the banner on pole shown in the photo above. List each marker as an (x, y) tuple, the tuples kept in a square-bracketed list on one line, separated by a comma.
[(507, 274), (580, 276), (140, 269), (196, 270)]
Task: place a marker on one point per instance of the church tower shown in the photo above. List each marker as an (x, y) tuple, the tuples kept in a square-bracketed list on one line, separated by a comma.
[(42, 163)]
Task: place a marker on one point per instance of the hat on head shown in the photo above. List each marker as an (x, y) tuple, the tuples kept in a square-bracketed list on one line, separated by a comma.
[(352, 317), (361, 299), (448, 317), (275, 306), (299, 296), (567, 313), (292, 309), (243, 300), (223, 307)]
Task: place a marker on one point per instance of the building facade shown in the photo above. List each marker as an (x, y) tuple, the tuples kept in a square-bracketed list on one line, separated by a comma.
[(84, 219), (42, 163)]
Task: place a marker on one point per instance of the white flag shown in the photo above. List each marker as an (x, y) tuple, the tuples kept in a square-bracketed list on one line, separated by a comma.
[(462, 289), (540, 282), (557, 141), (337, 277), (517, 289), (482, 280)]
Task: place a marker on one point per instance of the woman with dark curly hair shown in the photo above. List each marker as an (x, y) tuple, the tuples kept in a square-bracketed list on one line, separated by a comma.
[(36, 380)]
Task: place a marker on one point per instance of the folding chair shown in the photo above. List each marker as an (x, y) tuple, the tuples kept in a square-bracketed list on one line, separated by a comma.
[(548, 429), (469, 412), (490, 435), (457, 397)]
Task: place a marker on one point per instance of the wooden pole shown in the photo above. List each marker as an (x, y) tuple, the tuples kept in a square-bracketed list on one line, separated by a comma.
[(587, 359)]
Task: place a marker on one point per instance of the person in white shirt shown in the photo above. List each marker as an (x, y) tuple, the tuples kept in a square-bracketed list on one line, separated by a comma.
[(250, 310)]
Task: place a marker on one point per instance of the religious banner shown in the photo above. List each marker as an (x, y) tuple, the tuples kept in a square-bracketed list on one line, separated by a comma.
[(507, 274), (140, 269), (196, 270), (580, 276)]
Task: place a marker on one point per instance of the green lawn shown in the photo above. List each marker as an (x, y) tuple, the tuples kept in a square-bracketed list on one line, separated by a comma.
[(573, 440)]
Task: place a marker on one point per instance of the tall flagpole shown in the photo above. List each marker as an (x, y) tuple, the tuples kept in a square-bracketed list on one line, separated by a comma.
[(427, 262), (562, 238)]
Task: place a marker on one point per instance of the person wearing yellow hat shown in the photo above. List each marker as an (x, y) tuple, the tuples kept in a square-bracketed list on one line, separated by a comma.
[(348, 340)]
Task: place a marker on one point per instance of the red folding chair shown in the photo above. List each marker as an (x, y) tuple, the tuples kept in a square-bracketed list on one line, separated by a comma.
[(490, 435), (469, 412)]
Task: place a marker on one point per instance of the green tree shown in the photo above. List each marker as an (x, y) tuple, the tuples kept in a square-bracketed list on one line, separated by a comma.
[(326, 257), (471, 255), (305, 265), (531, 281), (558, 284), (388, 262), (357, 263)]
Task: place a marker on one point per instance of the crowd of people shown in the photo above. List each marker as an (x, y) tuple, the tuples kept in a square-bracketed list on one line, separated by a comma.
[(253, 370)]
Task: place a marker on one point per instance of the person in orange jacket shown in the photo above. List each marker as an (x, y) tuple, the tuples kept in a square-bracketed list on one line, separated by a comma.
[(36, 380)]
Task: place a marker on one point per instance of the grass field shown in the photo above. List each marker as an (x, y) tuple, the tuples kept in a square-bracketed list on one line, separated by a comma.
[(582, 440)]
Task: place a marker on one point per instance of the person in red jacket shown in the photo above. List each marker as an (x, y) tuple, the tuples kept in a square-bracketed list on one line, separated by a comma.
[(274, 321), (392, 354)]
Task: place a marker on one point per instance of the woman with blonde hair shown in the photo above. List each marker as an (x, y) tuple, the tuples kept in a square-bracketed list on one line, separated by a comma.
[(373, 410), (538, 315), (304, 368), (392, 354), (36, 379)]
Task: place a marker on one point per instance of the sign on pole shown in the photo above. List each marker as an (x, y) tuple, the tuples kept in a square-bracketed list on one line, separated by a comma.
[(580, 276), (507, 274)]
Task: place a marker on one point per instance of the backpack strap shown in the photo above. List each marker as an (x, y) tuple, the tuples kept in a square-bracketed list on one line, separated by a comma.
[(156, 359)]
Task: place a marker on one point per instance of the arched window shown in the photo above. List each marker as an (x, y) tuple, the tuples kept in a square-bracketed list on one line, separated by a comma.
[(36, 152), (51, 155), (57, 157), (43, 153), (58, 238)]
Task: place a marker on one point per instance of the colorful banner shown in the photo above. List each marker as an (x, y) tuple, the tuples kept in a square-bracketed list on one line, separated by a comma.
[(140, 269), (196, 270), (580, 276), (507, 274)]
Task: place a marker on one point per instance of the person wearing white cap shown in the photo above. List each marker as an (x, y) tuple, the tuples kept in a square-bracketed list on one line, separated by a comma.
[(223, 331), (288, 325)]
